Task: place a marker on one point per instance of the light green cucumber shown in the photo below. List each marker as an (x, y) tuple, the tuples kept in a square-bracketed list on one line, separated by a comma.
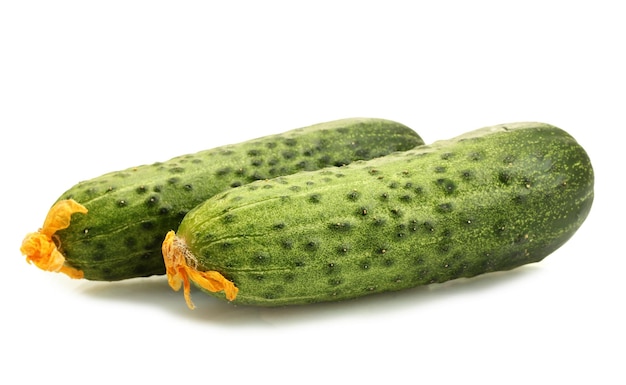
[(130, 211), (492, 199)]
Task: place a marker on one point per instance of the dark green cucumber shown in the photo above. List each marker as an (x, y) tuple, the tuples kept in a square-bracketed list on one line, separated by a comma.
[(490, 200), (130, 211)]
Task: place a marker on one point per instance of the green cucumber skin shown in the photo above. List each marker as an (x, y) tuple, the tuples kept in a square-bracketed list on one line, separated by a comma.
[(490, 200), (130, 211)]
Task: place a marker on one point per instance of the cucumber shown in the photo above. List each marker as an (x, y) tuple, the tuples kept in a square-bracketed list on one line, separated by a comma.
[(489, 200), (118, 220)]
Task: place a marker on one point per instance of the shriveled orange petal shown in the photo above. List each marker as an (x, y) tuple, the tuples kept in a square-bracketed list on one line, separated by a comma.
[(59, 216), (214, 282), (176, 256), (174, 262), (40, 249)]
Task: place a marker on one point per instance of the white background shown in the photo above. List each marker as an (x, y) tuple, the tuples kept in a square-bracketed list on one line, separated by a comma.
[(88, 87)]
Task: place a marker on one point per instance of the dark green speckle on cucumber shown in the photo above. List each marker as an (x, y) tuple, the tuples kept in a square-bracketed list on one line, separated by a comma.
[(130, 211), (492, 199)]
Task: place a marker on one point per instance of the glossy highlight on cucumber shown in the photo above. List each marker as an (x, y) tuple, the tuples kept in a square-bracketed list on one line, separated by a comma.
[(490, 200)]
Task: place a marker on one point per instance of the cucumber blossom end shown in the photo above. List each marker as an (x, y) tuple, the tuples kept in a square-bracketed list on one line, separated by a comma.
[(40, 247), (179, 264)]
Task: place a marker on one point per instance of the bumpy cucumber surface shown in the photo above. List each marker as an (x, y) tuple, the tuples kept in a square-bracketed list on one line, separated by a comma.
[(492, 199), (130, 211)]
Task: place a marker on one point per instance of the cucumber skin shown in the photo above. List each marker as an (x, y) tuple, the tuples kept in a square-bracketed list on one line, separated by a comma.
[(490, 200), (130, 211)]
